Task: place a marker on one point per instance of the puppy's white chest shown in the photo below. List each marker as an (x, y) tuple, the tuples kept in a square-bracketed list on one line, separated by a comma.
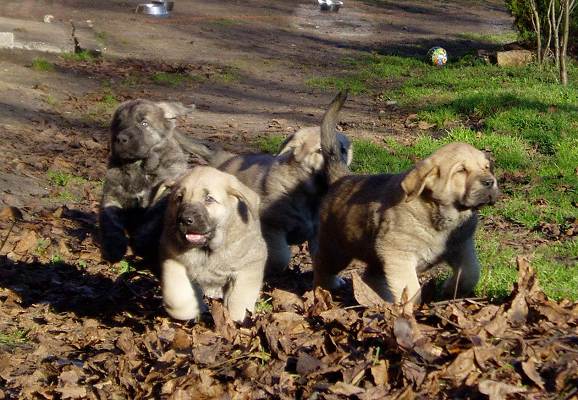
[(205, 268)]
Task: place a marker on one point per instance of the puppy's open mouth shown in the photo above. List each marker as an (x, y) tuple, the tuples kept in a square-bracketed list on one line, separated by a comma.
[(198, 238)]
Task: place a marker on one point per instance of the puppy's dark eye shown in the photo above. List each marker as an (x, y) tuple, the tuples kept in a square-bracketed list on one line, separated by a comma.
[(144, 123), (319, 150), (179, 196), (209, 199)]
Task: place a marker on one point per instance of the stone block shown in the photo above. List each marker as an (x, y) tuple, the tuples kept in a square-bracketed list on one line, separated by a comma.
[(6, 40)]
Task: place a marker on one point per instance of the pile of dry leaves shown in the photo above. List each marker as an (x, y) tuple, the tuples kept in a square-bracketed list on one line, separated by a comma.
[(88, 333)]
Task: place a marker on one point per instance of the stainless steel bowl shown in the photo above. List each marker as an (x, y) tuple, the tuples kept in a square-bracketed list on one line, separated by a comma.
[(155, 9), (330, 5), (168, 4)]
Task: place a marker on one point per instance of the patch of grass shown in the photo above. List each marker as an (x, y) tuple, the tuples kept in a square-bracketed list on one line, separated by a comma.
[(131, 81), (556, 266), (498, 266), (441, 117), (41, 64), (81, 56), (264, 306), (270, 144), (41, 246), (370, 158), (363, 73), (224, 22), (496, 38), (351, 83), (124, 267), (227, 75), (56, 259), (14, 338), (63, 179), (50, 100), (172, 79)]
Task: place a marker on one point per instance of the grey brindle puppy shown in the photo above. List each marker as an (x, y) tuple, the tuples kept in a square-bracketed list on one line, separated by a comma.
[(144, 153)]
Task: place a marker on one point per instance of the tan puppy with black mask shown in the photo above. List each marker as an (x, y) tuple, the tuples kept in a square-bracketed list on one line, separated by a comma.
[(402, 224), (290, 184), (211, 241)]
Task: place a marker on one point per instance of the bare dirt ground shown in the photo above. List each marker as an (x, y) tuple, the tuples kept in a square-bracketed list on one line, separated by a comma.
[(72, 327)]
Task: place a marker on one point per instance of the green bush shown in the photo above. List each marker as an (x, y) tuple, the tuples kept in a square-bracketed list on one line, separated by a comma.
[(521, 12)]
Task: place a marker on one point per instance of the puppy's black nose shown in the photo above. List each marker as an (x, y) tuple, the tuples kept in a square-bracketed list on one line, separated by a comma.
[(122, 139), (487, 182), (187, 221)]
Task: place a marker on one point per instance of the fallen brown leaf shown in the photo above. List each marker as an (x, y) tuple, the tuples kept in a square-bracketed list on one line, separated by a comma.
[(365, 295), (498, 390)]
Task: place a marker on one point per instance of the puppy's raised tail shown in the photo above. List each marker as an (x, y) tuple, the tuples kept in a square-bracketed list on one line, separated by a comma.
[(213, 155), (335, 168)]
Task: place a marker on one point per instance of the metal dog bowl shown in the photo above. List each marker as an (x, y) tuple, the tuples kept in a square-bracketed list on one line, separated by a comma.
[(154, 9), (168, 4), (330, 5)]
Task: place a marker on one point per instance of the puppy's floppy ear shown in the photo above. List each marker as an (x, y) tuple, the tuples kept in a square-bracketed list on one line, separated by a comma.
[(246, 196), (175, 109), (415, 181)]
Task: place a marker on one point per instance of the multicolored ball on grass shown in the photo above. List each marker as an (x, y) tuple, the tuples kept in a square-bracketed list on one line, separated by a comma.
[(438, 56)]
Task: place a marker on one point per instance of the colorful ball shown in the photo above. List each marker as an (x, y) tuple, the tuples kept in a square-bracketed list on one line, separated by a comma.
[(438, 56)]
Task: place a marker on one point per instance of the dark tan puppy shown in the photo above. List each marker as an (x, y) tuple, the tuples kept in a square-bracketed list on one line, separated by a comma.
[(402, 224), (211, 241)]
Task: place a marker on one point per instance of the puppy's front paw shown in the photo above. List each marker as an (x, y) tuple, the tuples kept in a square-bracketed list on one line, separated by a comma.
[(114, 249), (185, 312)]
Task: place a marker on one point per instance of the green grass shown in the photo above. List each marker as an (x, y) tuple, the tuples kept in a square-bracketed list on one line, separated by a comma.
[(67, 186), (264, 306), (124, 267), (43, 65), (63, 179), (14, 338), (81, 56), (270, 144), (496, 38), (169, 78), (364, 73)]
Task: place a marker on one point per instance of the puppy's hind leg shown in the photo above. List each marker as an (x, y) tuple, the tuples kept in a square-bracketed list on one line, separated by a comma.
[(242, 292), (182, 298), (278, 251), (328, 261), (113, 241), (466, 270)]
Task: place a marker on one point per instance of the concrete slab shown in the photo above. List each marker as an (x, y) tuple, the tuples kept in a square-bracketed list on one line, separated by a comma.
[(6, 40), (54, 37)]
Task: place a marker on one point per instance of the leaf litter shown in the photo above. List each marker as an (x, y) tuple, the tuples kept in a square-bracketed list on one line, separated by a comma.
[(91, 334)]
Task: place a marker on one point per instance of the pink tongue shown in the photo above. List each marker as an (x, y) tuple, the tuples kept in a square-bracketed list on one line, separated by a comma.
[(195, 237)]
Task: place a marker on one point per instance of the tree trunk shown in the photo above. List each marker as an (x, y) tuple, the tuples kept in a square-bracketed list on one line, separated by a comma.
[(549, 21), (538, 29), (567, 8)]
